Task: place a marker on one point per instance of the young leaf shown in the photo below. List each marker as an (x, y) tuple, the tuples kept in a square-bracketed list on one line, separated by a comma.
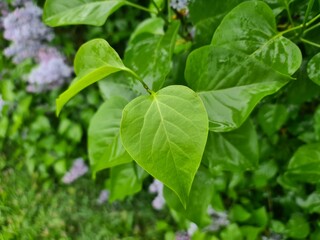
[(91, 12), (104, 143), (150, 56), (165, 133), (123, 181), (94, 61), (230, 84), (234, 151), (313, 69), (304, 166)]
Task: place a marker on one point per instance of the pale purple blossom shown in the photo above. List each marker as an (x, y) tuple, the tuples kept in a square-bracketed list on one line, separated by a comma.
[(78, 169), (103, 197), (192, 228), (179, 5), (272, 236), (157, 187), (219, 220), (23, 27), (48, 75), (2, 103), (181, 235)]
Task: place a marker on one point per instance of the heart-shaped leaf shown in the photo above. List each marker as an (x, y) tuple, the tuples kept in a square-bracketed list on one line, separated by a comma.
[(166, 133), (94, 61), (230, 84), (251, 28), (69, 12), (234, 151), (104, 143)]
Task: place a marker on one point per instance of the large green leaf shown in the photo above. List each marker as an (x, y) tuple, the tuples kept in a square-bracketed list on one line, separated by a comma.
[(251, 28), (166, 133), (230, 84), (304, 166), (200, 197), (124, 181), (68, 12), (150, 56), (313, 69), (234, 151), (104, 143), (94, 61)]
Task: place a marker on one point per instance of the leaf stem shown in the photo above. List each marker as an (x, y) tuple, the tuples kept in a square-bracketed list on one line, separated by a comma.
[(140, 7), (140, 80), (289, 13), (310, 5), (169, 11), (311, 28), (310, 42)]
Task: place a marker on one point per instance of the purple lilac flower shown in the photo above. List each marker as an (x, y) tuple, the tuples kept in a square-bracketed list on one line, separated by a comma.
[(157, 187), (78, 169), (219, 220), (179, 5), (24, 28), (273, 236), (49, 74), (182, 236), (103, 197), (2, 103)]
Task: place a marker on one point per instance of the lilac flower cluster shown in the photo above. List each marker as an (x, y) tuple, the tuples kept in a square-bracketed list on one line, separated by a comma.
[(103, 197), (157, 187), (220, 220), (181, 235), (273, 236), (2, 103), (30, 37), (78, 169), (180, 5), (24, 28)]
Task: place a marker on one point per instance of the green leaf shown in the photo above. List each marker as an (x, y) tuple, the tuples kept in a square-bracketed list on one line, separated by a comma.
[(304, 166), (298, 227), (152, 26), (234, 151), (199, 199), (91, 12), (313, 69), (123, 181), (104, 144), (166, 133), (311, 204), (238, 213), (232, 232), (230, 84), (94, 61), (150, 56), (271, 117), (251, 28)]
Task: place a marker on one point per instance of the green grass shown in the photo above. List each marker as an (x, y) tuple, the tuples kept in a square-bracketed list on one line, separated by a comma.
[(31, 208)]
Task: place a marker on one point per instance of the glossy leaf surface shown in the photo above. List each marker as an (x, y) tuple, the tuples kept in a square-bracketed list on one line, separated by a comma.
[(199, 200), (70, 12), (124, 181), (251, 28), (230, 84), (104, 143), (94, 61), (234, 151), (304, 166), (150, 56), (313, 69), (165, 133)]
